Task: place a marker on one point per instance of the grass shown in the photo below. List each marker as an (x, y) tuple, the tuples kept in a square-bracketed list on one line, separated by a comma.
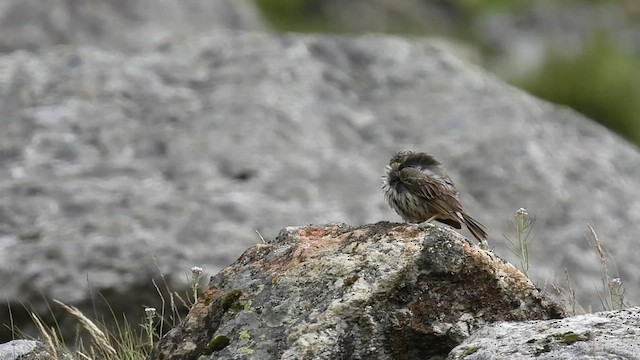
[(610, 291), (522, 227), (124, 343), (127, 341)]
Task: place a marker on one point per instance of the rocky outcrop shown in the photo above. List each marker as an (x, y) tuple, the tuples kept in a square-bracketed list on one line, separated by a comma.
[(382, 291), (605, 335)]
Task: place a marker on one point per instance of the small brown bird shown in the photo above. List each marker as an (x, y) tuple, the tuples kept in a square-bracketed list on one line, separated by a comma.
[(418, 189)]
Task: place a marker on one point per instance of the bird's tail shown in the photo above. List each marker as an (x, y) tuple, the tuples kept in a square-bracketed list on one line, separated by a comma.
[(478, 230)]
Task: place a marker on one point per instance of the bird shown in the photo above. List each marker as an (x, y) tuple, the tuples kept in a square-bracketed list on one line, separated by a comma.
[(417, 187)]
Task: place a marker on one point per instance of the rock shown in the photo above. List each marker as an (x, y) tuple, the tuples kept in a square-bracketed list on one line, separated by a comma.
[(115, 167), (605, 335), (124, 26), (23, 350), (381, 291)]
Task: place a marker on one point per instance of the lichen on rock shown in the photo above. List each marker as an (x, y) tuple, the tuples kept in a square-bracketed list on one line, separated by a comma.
[(380, 291)]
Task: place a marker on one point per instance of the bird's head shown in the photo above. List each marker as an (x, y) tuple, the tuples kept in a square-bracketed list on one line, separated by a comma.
[(408, 158)]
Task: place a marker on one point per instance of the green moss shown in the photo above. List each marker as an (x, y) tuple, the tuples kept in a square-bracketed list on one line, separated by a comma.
[(230, 299), (469, 351), (603, 83), (568, 337), (244, 335), (216, 344), (236, 307)]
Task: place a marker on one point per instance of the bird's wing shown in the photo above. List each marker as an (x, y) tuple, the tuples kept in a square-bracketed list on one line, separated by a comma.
[(419, 184)]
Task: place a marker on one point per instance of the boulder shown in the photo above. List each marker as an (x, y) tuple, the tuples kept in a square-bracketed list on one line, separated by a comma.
[(604, 335), (381, 291)]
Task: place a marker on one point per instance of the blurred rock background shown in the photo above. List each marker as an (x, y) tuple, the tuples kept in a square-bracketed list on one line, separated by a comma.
[(545, 47), (143, 137)]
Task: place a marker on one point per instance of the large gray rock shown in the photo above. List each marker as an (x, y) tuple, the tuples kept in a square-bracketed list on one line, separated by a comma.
[(613, 335), (23, 350), (380, 291), (122, 25), (112, 166)]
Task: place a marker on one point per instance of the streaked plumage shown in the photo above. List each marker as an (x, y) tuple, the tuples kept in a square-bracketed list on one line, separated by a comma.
[(418, 189)]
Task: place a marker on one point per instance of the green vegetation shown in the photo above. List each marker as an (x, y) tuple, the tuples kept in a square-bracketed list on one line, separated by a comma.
[(611, 292), (311, 15), (522, 226), (602, 82), (230, 298), (295, 15), (569, 337), (125, 340), (470, 350), (217, 343), (474, 7)]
